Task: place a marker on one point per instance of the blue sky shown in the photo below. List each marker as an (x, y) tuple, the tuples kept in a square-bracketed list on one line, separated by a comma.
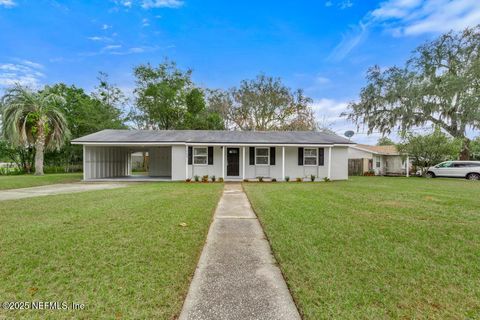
[(323, 46)]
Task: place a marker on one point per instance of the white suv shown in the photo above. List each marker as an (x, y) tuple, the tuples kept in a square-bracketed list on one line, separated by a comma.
[(456, 169)]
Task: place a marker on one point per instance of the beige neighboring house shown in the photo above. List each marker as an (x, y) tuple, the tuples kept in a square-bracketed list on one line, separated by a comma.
[(382, 160)]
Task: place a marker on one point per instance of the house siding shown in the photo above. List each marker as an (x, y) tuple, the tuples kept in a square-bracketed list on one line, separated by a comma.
[(164, 161), (160, 161), (179, 158), (339, 170)]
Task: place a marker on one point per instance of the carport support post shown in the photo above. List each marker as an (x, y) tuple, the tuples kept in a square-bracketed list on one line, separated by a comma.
[(186, 162), (84, 164), (243, 163), (407, 167), (223, 162), (283, 163), (329, 162)]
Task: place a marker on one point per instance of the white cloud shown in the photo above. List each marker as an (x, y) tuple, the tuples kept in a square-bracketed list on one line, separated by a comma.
[(99, 38), (350, 41), (111, 47), (415, 17), (145, 22), (7, 3), (327, 112), (118, 51), (25, 72), (148, 4), (106, 27), (411, 18), (31, 64), (341, 4), (329, 107), (136, 50), (322, 80), (346, 4)]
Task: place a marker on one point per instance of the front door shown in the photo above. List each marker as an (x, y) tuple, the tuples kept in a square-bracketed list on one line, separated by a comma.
[(233, 162)]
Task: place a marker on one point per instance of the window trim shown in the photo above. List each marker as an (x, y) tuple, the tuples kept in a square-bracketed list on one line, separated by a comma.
[(316, 157), (203, 156), (267, 156)]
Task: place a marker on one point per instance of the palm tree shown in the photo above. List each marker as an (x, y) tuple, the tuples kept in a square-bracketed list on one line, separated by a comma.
[(34, 118)]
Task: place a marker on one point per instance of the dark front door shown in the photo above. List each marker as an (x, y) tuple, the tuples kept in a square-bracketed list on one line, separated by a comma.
[(233, 162)]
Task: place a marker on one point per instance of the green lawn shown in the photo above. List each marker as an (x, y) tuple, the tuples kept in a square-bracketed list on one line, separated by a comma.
[(375, 248), (24, 181), (120, 252)]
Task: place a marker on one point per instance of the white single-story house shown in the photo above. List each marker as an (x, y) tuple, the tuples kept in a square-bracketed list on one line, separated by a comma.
[(232, 155), (382, 160)]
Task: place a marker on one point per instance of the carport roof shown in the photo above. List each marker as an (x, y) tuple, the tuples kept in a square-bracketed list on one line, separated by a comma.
[(210, 136)]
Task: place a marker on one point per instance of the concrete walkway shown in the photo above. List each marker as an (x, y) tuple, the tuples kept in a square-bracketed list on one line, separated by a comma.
[(236, 277), (53, 189)]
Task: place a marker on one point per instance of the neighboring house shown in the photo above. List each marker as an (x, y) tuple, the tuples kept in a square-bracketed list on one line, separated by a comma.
[(382, 160), (232, 155)]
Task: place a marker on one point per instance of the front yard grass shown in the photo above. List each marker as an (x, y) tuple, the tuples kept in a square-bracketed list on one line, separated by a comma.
[(24, 181), (376, 248), (121, 252)]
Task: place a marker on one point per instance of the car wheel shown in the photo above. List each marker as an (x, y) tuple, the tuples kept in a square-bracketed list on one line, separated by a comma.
[(473, 176), (430, 175)]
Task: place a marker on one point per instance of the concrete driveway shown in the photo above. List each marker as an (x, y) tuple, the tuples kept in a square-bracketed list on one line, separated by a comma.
[(53, 189)]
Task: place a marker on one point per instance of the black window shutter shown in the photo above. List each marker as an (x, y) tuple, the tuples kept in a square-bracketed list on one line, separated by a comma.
[(210, 155), (272, 156), (321, 156), (300, 156), (190, 156), (251, 155)]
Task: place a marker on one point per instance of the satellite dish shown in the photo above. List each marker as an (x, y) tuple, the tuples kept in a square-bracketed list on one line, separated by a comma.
[(349, 134)]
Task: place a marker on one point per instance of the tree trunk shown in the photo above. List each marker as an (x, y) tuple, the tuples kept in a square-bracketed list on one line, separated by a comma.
[(39, 148), (465, 153)]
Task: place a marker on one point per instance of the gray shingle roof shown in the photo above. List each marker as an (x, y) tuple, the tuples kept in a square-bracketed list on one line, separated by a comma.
[(212, 136)]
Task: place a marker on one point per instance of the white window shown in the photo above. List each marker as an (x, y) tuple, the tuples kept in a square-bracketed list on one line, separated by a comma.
[(310, 156), (262, 156), (200, 155)]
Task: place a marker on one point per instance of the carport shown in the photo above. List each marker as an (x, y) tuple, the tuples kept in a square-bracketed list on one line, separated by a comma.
[(114, 163)]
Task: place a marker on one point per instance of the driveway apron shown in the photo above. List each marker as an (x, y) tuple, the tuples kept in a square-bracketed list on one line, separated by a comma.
[(53, 189)]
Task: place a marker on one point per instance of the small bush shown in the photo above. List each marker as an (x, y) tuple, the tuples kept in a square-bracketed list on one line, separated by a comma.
[(11, 171), (274, 180), (213, 178), (220, 179), (326, 179), (245, 180), (188, 180), (312, 178), (260, 179), (205, 178), (299, 179), (197, 178), (287, 178), (369, 173), (63, 169)]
